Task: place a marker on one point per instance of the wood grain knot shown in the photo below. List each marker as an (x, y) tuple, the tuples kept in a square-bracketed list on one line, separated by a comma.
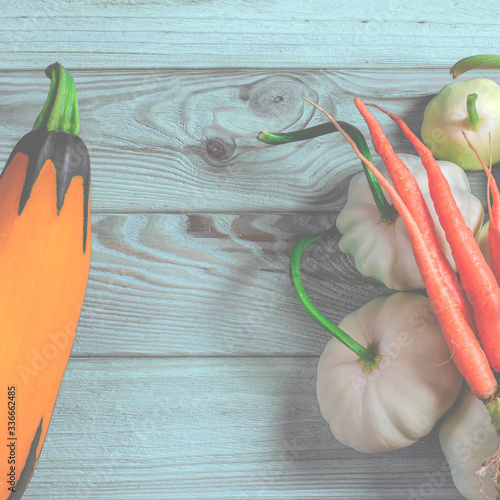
[(275, 99), (218, 149)]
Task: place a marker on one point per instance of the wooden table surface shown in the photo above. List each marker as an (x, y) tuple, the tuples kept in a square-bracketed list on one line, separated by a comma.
[(193, 372)]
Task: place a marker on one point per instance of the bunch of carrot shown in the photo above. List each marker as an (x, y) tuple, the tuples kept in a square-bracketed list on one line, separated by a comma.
[(468, 310), (494, 213)]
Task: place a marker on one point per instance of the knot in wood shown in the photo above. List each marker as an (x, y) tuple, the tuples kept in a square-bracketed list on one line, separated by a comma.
[(218, 149), (275, 99)]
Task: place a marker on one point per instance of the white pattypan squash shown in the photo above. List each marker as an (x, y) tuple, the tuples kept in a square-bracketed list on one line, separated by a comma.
[(400, 400), (468, 439), (449, 108), (383, 250)]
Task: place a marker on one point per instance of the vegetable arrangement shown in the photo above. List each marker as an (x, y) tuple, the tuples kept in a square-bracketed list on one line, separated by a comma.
[(382, 250), (44, 256), (372, 231), (379, 413), (357, 395)]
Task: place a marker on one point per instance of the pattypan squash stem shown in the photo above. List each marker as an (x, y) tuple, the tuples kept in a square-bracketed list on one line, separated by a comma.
[(298, 135), (480, 61), (387, 211), (472, 122), (60, 111), (369, 357)]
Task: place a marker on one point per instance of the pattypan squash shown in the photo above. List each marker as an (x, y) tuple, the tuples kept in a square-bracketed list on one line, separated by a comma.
[(383, 250), (468, 438), (475, 104), (399, 399)]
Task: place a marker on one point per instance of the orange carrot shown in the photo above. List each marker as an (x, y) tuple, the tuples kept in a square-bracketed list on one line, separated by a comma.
[(408, 189), (477, 278), (467, 353), (493, 212)]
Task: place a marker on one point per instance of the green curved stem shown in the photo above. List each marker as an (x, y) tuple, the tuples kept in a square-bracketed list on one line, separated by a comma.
[(60, 111), (387, 211), (472, 121), (298, 135), (369, 357), (480, 61)]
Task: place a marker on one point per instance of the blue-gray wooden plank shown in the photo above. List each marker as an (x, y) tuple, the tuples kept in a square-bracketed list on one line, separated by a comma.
[(185, 141), (271, 34), (201, 420), (214, 428), (212, 285)]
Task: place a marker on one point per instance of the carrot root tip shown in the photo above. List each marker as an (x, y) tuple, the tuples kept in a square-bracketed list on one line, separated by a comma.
[(491, 468)]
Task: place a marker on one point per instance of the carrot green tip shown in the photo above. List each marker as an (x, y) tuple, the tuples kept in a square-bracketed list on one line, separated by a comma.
[(60, 111)]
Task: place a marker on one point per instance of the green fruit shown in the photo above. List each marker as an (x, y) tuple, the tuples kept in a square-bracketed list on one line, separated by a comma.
[(479, 116)]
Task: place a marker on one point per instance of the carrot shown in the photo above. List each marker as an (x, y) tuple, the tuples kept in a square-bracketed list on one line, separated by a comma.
[(493, 212), (409, 191), (493, 462), (467, 353), (477, 278)]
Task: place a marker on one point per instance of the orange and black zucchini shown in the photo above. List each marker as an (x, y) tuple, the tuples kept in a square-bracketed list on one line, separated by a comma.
[(44, 265)]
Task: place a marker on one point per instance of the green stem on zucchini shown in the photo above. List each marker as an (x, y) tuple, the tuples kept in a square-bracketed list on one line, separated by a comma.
[(387, 211), (480, 61), (60, 111), (472, 121), (368, 356)]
